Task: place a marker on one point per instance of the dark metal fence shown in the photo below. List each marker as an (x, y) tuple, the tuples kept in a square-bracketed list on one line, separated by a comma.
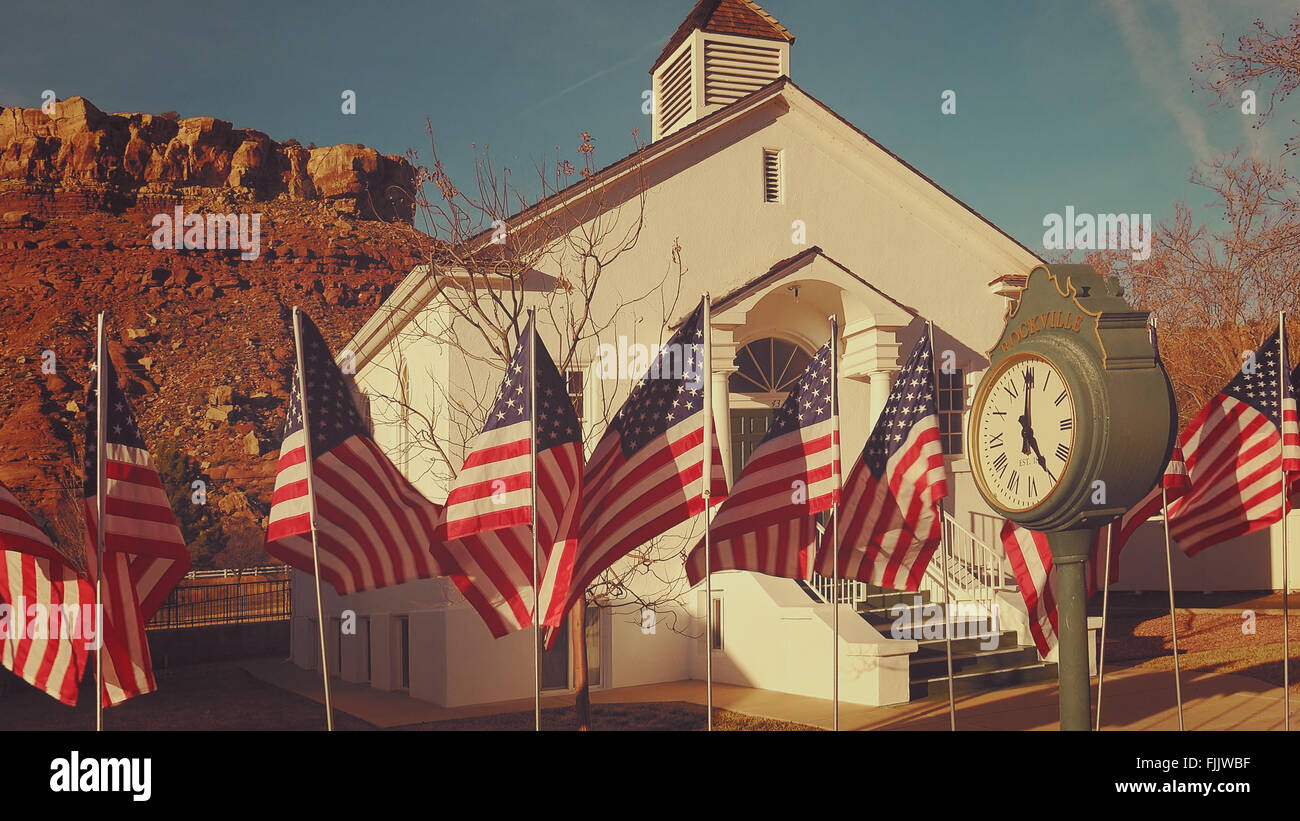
[(203, 602)]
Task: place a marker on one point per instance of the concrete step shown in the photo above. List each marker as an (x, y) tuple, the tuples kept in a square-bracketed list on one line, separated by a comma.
[(934, 664), (980, 680)]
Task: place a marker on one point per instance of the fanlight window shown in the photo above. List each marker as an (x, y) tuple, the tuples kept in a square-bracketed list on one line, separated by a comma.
[(768, 365)]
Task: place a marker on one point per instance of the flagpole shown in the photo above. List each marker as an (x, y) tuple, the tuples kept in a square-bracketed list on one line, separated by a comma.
[(532, 504), (835, 537), (706, 367), (1105, 606), (311, 496), (1173, 622), (101, 495), (943, 545), (1286, 547)]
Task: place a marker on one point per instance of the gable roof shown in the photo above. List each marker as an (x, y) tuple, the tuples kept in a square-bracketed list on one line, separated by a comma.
[(742, 17), (661, 146)]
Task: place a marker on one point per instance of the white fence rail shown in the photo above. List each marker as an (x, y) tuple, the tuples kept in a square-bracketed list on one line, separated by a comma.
[(976, 573), (265, 570)]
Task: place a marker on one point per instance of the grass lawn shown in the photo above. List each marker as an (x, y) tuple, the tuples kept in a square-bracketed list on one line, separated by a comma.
[(1138, 635)]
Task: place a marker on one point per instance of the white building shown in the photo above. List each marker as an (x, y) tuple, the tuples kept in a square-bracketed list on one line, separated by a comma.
[(786, 214)]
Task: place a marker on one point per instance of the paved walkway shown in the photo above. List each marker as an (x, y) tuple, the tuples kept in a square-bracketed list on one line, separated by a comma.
[(1132, 700)]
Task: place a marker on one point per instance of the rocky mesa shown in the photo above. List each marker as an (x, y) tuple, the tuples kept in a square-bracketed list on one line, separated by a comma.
[(201, 335)]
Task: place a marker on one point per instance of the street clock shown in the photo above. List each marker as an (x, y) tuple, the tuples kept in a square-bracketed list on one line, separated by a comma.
[(1074, 420), (1072, 425)]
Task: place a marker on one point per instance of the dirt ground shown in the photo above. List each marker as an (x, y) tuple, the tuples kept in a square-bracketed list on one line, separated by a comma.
[(1243, 635), (223, 696)]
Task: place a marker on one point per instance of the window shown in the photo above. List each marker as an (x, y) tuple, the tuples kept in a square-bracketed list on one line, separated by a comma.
[(772, 175), (768, 365), (575, 381), (716, 639), (404, 652), (952, 403)]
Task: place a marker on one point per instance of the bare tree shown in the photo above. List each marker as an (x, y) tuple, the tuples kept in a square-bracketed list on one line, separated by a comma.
[(488, 255), (1262, 60)]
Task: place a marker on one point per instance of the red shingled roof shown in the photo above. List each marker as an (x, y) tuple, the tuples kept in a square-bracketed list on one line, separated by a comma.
[(742, 17)]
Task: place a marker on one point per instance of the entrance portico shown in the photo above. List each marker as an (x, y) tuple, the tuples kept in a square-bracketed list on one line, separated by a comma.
[(765, 331)]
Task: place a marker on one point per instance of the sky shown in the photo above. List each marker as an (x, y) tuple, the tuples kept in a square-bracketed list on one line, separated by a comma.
[(1058, 103)]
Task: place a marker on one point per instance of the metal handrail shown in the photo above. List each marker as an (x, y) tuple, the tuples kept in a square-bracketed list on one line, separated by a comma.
[(976, 572)]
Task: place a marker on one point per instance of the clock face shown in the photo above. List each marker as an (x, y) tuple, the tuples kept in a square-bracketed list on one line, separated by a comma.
[(1024, 432)]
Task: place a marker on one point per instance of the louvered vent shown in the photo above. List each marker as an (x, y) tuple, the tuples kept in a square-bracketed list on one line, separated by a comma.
[(675, 91), (771, 175), (732, 70)]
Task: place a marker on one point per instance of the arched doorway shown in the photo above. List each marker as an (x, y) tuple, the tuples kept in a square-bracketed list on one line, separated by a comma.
[(766, 370)]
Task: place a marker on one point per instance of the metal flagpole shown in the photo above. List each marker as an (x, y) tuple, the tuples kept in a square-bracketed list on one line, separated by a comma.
[(1173, 622), (101, 496), (706, 368), (311, 496), (943, 546), (1105, 606), (1286, 547), (835, 538), (532, 484)]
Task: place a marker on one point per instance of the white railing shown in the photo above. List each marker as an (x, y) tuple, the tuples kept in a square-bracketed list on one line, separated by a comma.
[(851, 591), (267, 570), (976, 572)]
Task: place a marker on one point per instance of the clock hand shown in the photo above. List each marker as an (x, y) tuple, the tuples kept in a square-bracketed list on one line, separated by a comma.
[(1042, 461)]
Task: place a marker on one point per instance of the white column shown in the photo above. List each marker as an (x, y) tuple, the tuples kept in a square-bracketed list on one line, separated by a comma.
[(882, 382), (722, 419)]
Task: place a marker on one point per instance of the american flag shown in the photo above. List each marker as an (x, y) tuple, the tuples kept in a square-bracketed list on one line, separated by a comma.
[(1236, 450), (33, 572), (487, 524), (769, 522), (373, 527), (1031, 557), (890, 520), (144, 554), (1173, 483), (644, 476), (1031, 562)]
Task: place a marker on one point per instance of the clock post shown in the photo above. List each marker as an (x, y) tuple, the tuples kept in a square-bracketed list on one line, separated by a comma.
[(1072, 425)]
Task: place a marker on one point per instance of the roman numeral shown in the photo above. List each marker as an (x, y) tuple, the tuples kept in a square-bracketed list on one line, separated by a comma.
[(996, 441), (1033, 488), (1060, 398), (1013, 484), (1011, 389), (1000, 463), (1062, 452), (1067, 423), (1048, 379)]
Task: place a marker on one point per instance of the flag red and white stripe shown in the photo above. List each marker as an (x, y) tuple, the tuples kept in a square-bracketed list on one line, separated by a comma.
[(373, 527), (144, 554), (487, 522), (890, 519), (645, 475), (46, 634), (1236, 450), (768, 524)]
